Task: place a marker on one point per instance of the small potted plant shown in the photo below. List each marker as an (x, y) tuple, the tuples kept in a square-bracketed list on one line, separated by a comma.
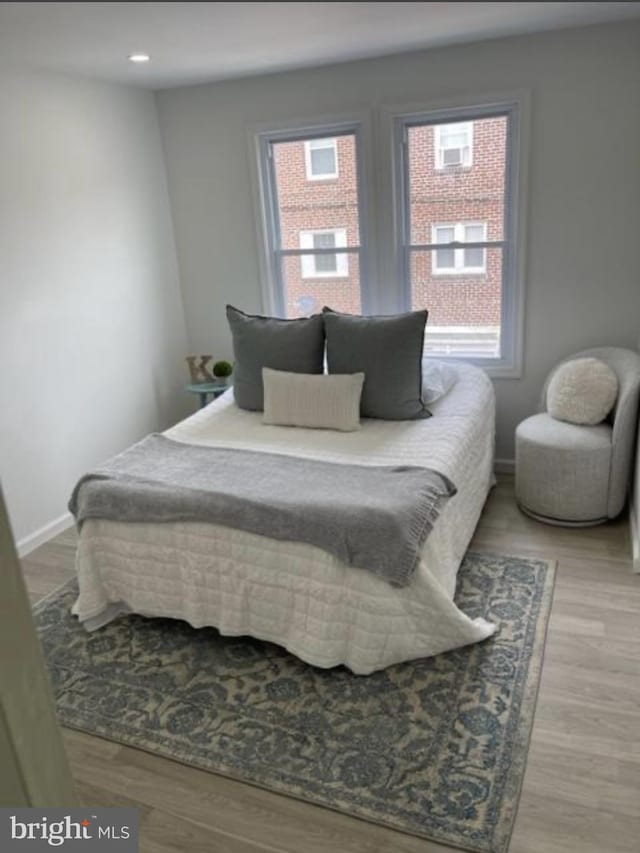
[(222, 370)]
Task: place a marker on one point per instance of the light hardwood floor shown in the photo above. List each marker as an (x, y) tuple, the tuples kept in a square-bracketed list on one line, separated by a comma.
[(581, 790)]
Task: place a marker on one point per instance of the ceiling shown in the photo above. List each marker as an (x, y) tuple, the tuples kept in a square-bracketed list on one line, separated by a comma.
[(198, 42)]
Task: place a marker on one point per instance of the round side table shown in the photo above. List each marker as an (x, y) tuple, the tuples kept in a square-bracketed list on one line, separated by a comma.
[(206, 390)]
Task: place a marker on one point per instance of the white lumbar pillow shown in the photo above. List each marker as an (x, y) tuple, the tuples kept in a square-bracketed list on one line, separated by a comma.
[(315, 400), (582, 391)]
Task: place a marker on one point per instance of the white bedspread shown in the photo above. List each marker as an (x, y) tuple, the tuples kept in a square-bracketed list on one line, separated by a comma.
[(295, 594)]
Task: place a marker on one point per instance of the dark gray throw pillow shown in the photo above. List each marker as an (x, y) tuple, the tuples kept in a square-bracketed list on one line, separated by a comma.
[(388, 350), (293, 345)]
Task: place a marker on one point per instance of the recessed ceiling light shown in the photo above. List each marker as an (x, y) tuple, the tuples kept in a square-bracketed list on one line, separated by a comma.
[(139, 57)]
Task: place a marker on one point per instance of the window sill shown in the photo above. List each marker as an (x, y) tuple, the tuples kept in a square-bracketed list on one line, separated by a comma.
[(322, 278), (460, 274), (495, 368), (453, 170)]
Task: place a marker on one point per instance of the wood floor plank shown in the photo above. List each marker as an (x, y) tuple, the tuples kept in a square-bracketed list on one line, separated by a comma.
[(581, 792), (600, 688), (549, 824), (594, 783)]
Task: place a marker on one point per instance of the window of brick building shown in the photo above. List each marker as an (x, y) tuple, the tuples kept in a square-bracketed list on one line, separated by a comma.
[(325, 264), (452, 261), (454, 144), (321, 159)]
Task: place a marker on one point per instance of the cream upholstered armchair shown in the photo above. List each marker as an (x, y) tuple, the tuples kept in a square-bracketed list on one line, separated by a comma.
[(576, 475)]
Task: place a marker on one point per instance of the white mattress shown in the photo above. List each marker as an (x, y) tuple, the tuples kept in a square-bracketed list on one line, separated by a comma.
[(292, 593)]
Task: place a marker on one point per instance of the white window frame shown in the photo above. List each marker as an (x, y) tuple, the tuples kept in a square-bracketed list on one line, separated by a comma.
[(439, 148), (459, 237), (381, 160), (261, 138), (516, 106), (308, 262), (332, 142)]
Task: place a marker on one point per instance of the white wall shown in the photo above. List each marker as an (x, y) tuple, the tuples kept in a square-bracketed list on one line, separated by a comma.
[(92, 335), (583, 270)]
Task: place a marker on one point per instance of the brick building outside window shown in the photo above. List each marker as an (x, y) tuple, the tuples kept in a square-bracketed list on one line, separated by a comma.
[(456, 194)]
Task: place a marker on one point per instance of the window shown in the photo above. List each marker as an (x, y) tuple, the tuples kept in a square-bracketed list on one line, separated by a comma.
[(457, 238), (456, 261), (313, 231), (445, 203), (321, 159), (454, 144), (327, 264)]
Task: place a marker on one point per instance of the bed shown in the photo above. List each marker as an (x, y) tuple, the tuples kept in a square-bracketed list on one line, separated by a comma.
[(295, 594)]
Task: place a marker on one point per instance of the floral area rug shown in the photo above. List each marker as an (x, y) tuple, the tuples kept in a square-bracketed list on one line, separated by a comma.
[(435, 747)]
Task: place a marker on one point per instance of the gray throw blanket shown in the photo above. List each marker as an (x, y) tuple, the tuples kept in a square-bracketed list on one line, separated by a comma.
[(374, 517)]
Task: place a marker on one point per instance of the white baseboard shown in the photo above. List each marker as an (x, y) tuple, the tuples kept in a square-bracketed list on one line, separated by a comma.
[(29, 543), (504, 466), (635, 537)]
